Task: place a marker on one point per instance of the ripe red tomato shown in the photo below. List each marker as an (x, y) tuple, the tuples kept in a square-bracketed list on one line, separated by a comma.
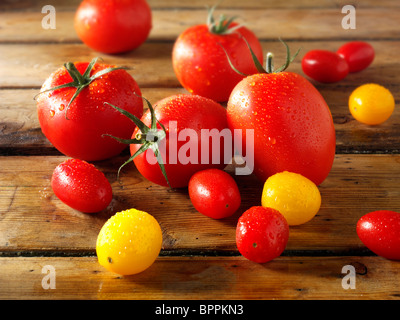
[(214, 193), (380, 232), (292, 124), (324, 66), (358, 54), (189, 132), (111, 26), (201, 65), (77, 129), (261, 234), (81, 186)]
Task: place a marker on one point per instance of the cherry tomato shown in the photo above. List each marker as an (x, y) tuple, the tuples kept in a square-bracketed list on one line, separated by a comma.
[(371, 104), (76, 126), (292, 125), (214, 193), (261, 234), (358, 54), (111, 26), (324, 66), (81, 186), (380, 232), (200, 62)]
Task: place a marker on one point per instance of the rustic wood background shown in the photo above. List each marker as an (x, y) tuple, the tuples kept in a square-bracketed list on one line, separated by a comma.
[(199, 259)]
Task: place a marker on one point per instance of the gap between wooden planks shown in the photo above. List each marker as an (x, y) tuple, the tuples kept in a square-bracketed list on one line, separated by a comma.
[(202, 278), (33, 219)]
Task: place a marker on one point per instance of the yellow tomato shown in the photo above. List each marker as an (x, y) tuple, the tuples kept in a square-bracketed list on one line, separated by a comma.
[(293, 195), (371, 104), (129, 242)]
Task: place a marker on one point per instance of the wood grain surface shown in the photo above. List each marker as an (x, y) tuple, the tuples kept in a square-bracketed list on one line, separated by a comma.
[(199, 258)]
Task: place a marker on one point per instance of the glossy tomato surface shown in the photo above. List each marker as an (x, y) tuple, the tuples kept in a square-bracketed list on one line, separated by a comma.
[(112, 26), (214, 193), (81, 186), (261, 234), (192, 124), (291, 122), (380, 232), (358, 54), (324, 66), (78, 131), (201, 65)]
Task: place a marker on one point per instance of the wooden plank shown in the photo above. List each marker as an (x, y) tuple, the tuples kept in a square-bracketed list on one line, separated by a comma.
[(27, 66), (267, 24), (202, 278), (33, 219), (21, 133), (30, 5)]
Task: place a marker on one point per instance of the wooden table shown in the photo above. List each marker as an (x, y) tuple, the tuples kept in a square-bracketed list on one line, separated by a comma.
[(199, 258)]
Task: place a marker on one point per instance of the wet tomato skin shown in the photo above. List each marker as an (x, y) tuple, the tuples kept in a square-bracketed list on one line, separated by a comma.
[(81, 186), (261, 234), (214, 193), (358, 54), (380, 232), (324, 66)]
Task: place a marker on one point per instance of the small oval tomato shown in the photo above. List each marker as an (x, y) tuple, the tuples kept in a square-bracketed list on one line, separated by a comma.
[(81, 186), (380, 232), (358, 54), (371, 104), (214, 193), (129, 242), (324, 66), (113, 26), (200, 62), (261, 234), (294, 196)]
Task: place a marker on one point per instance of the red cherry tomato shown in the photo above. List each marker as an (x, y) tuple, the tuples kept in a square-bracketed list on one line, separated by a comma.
[(358, 54), (214, 193), (81, 186), (113, 26), (380, 232), (324, 66), (262, 234)]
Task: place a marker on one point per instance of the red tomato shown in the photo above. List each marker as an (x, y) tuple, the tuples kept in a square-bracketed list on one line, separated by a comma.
[(380, 232), (112, 26), (200, 62), (358, 54), (324, 66), (261, 234), (292, 124), (193, 140), (214, 193), (81, 186), (77, 129)]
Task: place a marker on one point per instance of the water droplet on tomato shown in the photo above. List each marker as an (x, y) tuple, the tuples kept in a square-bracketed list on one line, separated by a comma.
[(52, 113), (61, 108)]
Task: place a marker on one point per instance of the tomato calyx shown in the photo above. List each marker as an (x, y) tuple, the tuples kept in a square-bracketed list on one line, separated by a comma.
[(149, 137), (80, 81), (223, 26), (269, 65)]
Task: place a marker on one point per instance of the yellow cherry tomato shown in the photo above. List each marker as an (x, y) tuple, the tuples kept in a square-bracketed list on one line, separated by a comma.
[(129, 242), (293, 195), (371, 104)]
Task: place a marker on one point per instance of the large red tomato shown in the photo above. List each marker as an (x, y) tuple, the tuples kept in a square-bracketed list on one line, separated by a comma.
[(293, 126), (113, 26), (189, 132), (200, 62), (77, 128)]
